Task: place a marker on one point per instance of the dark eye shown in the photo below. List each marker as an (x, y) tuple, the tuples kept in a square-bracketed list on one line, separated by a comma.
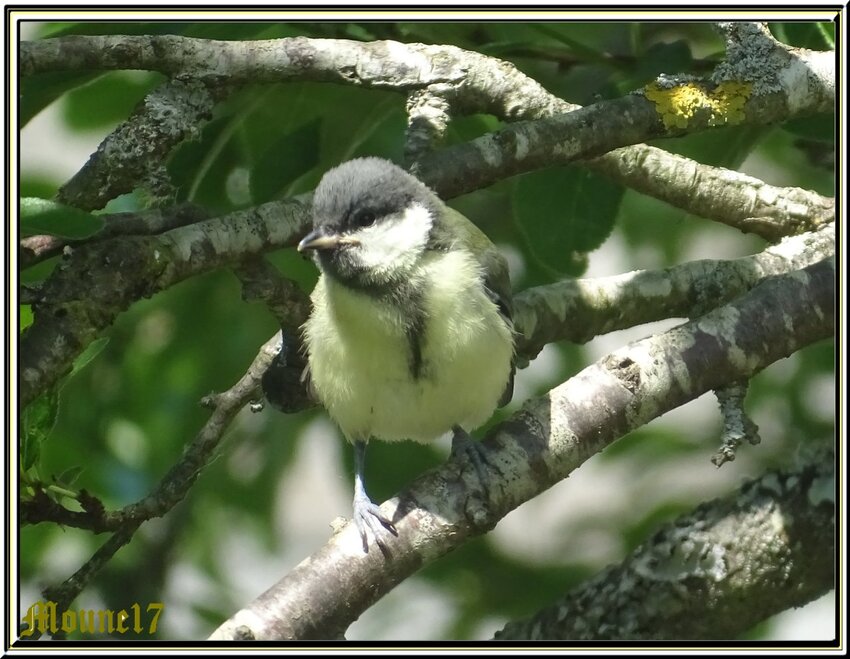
[(365, 218)]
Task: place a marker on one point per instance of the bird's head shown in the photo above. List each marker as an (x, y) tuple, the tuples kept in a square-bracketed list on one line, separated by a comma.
[(372, 221)]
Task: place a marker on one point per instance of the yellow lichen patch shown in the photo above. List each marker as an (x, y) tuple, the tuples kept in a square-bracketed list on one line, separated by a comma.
[(723, 105), (730, 98)]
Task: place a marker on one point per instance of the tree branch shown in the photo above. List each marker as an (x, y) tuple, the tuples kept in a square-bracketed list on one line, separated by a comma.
[(64, 593), (801, 78), (135, 152), (540, 445), (470, 82), (84, 295), (96, 282), (670, 107), (711, 574), (428, 117), (35, 249), (723, 195), (579, 309), (171, 488), (93, 284), (575, 310), (484, 83), (283, 297)]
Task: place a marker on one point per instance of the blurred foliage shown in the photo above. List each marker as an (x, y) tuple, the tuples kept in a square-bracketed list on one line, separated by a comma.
[(124, 420), (42, 216)]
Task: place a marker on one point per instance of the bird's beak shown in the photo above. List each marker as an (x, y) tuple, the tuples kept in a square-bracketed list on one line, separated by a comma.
[(316, 240)]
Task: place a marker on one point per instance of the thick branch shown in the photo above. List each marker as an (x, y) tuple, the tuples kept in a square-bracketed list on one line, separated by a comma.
[(669, 109), (95, 283), (723, 195), (470, 82), (135, 152), (35, 249), (85, 294), (540, 445), (579, 309), (711, 574), (801, 77), (488, 84)]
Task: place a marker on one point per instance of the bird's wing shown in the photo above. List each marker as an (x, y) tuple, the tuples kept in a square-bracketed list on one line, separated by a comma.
[(497, 281), (497, 285), (286, 383)]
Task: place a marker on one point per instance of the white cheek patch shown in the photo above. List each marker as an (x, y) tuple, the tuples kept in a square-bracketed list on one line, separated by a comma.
[(395, 243)]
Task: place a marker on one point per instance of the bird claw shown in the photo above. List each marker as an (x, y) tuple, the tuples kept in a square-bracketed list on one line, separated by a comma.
[(465, 448), (477, 506), (368, 515)]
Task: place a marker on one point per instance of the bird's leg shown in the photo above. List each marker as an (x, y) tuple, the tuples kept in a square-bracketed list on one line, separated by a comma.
[(463, 446), (367, 514)]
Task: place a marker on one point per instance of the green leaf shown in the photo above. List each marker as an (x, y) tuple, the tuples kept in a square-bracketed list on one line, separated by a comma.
[(561, 35), (562, 214), (671, 57), (68, 477), (380, 120), (39, 91), (108, 99), (105, 27), (39, 417), (36, 274), (25, 317), (37, 420), (827, 31), (232, 31), (820, 127), (727, 146), (200, 169), (815, 137), (92, 350), (37, 185), (55, 29), (639, 530), (287, 158), (456, 34), (42, 216), (464, 129), (358, 32), (817, 36)]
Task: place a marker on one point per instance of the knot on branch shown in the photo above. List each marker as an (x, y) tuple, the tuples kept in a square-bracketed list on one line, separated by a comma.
[(737, 424), (428, 116)]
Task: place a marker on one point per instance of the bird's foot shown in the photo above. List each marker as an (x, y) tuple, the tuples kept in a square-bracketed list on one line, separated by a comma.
[(466, 448), (368, 515), (477, 506)]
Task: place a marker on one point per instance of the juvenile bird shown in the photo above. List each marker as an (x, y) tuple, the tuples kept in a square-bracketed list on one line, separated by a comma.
[(410, 332)]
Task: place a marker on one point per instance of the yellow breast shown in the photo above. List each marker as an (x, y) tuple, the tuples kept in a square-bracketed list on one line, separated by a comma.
[(359, 355)]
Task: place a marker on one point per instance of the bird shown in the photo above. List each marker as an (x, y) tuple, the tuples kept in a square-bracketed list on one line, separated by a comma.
[(409, 335)]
